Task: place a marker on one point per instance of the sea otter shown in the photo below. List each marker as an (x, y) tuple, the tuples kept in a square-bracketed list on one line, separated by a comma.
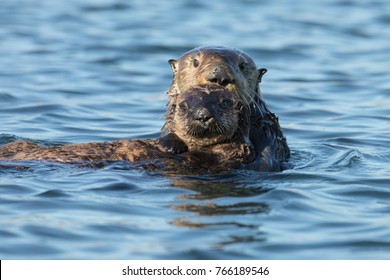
[(235, 71), (216, 121), (211, 121)]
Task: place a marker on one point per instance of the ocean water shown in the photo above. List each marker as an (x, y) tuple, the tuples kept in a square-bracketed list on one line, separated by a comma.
[(82, 71)]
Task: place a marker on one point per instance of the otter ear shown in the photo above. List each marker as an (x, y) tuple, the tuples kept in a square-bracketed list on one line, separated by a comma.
[(173, 63), (262, 71)]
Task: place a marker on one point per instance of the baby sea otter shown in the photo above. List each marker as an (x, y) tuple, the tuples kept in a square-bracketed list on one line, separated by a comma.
[(209, 120)]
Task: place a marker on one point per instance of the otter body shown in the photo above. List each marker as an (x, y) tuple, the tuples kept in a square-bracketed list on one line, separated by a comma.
[(216, 121)]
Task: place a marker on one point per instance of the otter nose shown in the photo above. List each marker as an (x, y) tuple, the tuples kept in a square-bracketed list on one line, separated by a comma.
[(203, 115), (221, 76)]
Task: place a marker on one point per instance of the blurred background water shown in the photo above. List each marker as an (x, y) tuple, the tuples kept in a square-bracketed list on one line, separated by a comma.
[(81, 71)]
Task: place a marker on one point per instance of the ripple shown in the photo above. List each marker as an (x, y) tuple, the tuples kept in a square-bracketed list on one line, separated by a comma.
[(34, 251), (7, 138), (15, 189), (115, 229), (362, 190), (347, 158), (34, 108), (117, 187), (289, 52), (204, 189), (7, 234), (53, 194), (51, 232), (212, 209), (7, 97), (107, 7)]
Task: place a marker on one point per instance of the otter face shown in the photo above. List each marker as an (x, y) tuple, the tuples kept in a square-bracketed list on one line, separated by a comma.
[(229, 68), (207, 115)]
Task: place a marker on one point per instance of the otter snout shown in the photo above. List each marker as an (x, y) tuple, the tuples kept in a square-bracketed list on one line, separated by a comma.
[(221, 76), (203, 115)]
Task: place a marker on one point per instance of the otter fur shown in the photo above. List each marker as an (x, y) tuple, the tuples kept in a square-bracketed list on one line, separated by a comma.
[(210, 121), (235, 71)]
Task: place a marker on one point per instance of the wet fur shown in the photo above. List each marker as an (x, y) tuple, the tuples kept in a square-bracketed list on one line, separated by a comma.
[(229, 122), (196, 67), (218, 145)]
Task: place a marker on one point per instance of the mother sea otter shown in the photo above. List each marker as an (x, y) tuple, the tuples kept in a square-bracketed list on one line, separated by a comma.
[(216, 121)]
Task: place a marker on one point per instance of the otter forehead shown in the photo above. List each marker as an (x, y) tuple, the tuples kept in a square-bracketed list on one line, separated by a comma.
[(221, 53)]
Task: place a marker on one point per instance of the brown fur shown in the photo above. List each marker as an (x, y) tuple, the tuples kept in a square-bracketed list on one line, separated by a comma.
[(200, 65), (236, 72), (219, 144)]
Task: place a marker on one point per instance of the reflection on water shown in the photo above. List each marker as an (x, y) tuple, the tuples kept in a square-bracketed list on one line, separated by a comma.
[(221, 202), (215, 186), (83, 71)]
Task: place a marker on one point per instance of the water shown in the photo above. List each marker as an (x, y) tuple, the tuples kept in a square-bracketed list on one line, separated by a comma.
[(81, 71)]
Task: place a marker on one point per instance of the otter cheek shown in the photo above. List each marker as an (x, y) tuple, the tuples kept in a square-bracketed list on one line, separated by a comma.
[(185, 126), (200, 79), (186, 83)]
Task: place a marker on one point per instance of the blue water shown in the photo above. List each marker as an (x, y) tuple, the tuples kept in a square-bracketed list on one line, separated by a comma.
[(81, 71)]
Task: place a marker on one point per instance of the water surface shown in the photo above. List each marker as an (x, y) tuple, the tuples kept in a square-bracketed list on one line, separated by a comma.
[(81, 71)]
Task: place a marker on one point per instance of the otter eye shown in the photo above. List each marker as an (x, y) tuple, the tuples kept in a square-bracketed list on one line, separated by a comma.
[(195, 62), (242, 65), (226, 103), (183, 106)]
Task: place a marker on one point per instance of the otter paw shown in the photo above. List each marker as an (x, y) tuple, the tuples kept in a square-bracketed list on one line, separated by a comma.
[(172, 144), (248, 152), (244, 152)]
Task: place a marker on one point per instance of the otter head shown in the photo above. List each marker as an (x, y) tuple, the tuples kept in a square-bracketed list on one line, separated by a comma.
[(229, 68), (209, 114)]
